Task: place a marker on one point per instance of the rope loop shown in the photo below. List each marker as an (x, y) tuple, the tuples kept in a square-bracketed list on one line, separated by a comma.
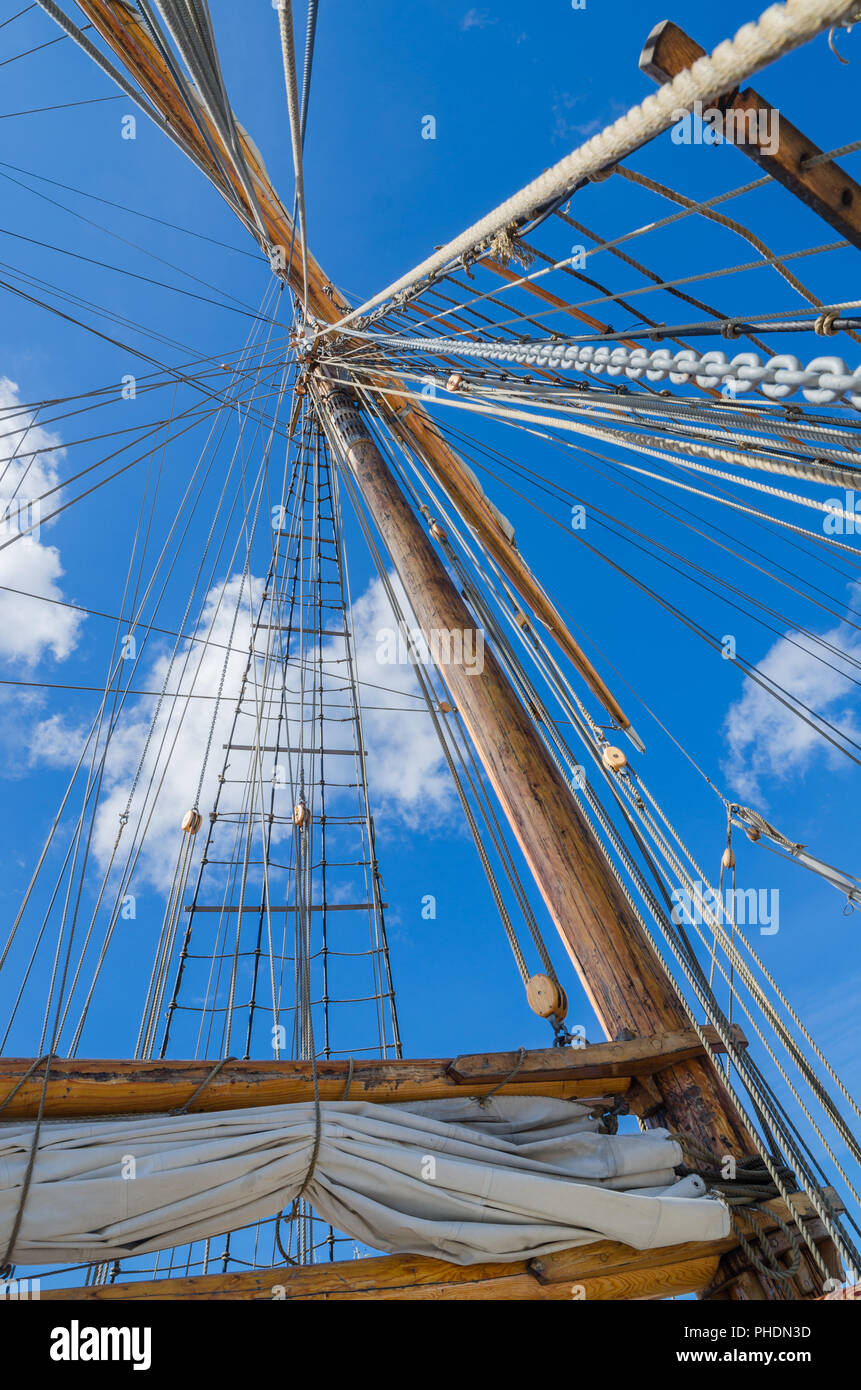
[(768, 1267), (824, 324)]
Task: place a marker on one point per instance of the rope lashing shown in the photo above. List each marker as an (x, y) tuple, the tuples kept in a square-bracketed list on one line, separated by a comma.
[(184, 1108), (507, 246), (824, 381), (824, 325), (521, 1058), (755, 825), (346, 1094)]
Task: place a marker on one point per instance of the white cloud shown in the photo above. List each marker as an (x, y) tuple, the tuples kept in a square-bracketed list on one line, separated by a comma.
[(764, 739), (406, 769), (29, 629), (406, 773)]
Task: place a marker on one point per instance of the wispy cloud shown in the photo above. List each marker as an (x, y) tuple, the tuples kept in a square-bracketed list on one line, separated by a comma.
[(476, 19)]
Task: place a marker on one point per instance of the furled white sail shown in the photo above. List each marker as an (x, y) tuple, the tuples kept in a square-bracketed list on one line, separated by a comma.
[(507, 1180)]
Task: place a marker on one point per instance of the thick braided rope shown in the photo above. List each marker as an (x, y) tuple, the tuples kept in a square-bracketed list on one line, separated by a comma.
[(778, 30)]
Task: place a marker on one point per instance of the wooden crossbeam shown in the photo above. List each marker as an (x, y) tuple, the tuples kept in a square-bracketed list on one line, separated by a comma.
[(79, 1087), (601, 1271), (825, 187), (604, 1270)]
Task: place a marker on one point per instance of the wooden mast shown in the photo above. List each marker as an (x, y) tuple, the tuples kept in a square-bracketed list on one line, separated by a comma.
[(620, 971)]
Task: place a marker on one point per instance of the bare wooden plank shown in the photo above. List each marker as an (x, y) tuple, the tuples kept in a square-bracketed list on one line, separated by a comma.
[(826, 188)]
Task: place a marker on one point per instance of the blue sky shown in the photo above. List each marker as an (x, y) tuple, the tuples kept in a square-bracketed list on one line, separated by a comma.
[(512, 89)]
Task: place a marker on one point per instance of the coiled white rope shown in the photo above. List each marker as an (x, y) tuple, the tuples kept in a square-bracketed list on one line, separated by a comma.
[(778, 30)]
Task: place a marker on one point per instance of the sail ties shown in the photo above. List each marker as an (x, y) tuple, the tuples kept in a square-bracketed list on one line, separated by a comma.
[(186, 1106)]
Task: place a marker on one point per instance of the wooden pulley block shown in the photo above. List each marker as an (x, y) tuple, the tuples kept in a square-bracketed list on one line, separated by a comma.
[(191, 822), (546, 998), (728, 858), (301, 814), (437, 532), (613, 758), (454, 382), (752, 833), (444, 707)]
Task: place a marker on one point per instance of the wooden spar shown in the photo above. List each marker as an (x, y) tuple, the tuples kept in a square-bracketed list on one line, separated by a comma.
[(825, 187), (78, 1087), (621, 973), (604, 1270)]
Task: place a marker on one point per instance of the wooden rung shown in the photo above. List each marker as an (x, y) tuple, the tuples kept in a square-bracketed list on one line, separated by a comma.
[(110, 1087)]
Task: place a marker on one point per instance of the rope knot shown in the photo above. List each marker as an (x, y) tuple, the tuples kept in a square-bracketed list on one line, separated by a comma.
[(824, 325)]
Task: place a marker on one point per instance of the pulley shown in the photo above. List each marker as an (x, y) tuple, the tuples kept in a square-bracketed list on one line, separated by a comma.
[(547, 998), (192, 821), (454, 382), (444, 707), (301, 814), (613, 758), (437, 532)]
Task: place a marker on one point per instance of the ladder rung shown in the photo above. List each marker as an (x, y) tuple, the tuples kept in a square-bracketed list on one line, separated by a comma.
[(261, 907), (273, 748)]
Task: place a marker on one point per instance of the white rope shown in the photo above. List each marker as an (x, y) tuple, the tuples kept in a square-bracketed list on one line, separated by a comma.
[(779, 29)]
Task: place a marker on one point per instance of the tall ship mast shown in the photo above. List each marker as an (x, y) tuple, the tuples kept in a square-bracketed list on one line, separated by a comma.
[(265, 1130)]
